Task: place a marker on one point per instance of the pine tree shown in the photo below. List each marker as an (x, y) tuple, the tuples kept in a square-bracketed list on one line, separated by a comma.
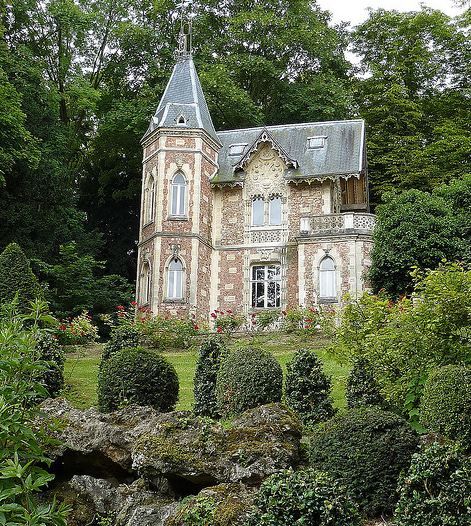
[(16, 277)]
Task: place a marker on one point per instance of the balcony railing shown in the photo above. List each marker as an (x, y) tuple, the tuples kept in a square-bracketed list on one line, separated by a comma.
[(351, 222)]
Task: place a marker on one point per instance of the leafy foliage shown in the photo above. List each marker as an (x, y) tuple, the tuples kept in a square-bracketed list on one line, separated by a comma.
[(404, 340), (308, 388), (362, 387), (137, 376), (78, 330), (446, 403), (365, 449), (52, 354), (247, 378), (436, 489), (17, 278), (207, 367), (124, 336), (22, 458), (303, 497)]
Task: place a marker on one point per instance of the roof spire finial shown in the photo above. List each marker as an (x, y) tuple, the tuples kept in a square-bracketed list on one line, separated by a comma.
[(184, 48)]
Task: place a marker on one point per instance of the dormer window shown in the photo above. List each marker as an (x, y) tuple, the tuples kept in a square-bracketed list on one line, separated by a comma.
[(314, 143), (237, 149), (181, 121)]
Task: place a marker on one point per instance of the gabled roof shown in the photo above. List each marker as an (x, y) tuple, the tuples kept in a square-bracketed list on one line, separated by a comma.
[(183, 97), (342, 153)]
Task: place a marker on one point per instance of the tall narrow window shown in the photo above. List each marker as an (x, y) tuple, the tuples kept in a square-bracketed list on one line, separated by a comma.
[(175, 280), (258, 211), (275, 210), (266, 286), (327, 285), (146, 284), (149, 200), (178, 195)]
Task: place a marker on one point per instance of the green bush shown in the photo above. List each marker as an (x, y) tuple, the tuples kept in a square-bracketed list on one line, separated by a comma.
[(168, 333), (51, 352), (207, 367), (446, 403), (247, 378), (137, 376), (436, 491), (362, 388), (16, 277), (304, 497), (124, 336), (308, 388), (366, 449)]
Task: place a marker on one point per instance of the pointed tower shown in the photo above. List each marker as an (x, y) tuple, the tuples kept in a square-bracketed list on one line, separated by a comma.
[(180, 156)]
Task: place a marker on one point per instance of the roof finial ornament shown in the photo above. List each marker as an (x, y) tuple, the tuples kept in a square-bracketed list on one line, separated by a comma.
[(184, 48)]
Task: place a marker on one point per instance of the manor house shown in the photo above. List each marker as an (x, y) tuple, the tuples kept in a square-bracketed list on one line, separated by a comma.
[(258, 218)]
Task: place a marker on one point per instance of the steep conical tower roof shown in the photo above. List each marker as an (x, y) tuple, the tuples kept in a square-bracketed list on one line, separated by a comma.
[(183, 103)]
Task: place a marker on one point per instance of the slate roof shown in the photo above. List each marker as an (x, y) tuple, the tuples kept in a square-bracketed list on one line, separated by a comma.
[(183, 96), (342, 153)]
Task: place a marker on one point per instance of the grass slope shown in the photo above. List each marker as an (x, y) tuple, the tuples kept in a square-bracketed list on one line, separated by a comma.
[(81, 367)]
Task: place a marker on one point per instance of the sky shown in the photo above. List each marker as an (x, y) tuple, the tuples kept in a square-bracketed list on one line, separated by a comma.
[(355, 11)]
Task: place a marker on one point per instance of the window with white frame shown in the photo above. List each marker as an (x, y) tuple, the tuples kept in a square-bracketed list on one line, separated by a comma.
[(175, 280), (149, 200), (178, 195), (146, 284), (267, 213), (266, 286), (327, 281)]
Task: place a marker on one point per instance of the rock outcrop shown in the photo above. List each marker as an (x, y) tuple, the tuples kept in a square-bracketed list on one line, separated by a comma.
[(136, 464)]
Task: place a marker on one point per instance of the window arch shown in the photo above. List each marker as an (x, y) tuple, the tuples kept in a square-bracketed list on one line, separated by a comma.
[(149, 200), (274, 210), (327, 278), (146, 283), (178, 195), (258, 211), (175, 274)]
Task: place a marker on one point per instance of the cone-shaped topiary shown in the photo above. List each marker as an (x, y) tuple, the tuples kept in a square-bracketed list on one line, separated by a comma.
[(207, 367), (16, 277), (247, 378), (446, 403), (137, 376), (308, 388), (362, 388), (50, 351), (365, 449), (303, 497)]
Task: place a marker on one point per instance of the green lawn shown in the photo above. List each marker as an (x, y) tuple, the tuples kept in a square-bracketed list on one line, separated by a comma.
[(81, 367)]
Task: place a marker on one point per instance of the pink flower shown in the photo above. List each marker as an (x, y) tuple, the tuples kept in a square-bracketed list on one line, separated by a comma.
[(219, 330), (120, 307), (213, 315), (133, 303)]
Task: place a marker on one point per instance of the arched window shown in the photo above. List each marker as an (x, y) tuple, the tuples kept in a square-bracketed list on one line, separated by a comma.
[(258, 211), (175, 280), (149, 201), (178, 195), (146, 284), (275, 210), (327, 284)]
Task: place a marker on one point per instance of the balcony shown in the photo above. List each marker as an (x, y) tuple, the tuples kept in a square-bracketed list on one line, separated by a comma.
[(331, 224)]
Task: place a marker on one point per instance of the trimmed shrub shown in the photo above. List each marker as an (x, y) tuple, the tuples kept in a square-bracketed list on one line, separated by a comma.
[(303, 497), (446, 403), (247, 378), (437, 488), (137, 376), (50, 351), (366, 449), (16, 277), (121, 337), (362, 388), (308, 388), (207, 367)]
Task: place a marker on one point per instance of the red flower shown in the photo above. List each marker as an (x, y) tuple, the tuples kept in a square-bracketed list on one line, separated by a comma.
[(62, 327), (219, 330), (213, 315), (309, 321), (196, 327), (133, 303), (120, 307), (229, 311)]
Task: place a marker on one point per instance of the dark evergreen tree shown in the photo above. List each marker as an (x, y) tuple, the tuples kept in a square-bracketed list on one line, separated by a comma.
[(207, 367), (362, 387), (308, 388), (17, 278)]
